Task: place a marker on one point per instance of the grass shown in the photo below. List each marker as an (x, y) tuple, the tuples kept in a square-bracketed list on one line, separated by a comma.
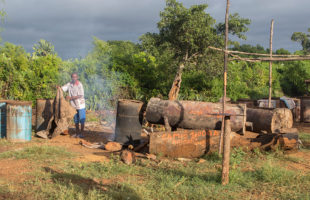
[(43, 153), (5, 142), (253, 175), (305, 139)]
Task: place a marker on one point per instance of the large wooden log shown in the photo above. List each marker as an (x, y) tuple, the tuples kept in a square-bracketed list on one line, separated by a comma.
[(194, 115), (271, 121)]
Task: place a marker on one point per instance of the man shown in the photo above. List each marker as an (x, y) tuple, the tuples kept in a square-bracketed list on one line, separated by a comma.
[(76, 97)]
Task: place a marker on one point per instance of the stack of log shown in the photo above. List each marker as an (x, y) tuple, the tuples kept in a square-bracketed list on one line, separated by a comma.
[(202, 116), (194, 114)]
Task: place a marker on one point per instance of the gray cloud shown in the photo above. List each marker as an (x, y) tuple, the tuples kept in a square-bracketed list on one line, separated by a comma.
[(70, 24)]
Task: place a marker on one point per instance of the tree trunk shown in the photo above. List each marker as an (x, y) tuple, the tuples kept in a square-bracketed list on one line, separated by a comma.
[(176, 85), (193, 114), (271, 121)]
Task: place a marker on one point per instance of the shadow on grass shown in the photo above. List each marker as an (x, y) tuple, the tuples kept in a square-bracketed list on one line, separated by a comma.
[(86, 185), (207, 177)]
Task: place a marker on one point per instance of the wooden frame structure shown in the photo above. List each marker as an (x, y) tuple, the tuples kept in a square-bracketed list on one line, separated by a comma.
[(225, 131)]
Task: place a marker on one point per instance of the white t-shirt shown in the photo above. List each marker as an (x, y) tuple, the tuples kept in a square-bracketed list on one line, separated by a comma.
[(75, 90)]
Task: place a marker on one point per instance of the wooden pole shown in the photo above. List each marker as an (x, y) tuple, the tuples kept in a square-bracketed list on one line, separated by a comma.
[(257, 54), (270, 65), (225, 74), (226, 154)]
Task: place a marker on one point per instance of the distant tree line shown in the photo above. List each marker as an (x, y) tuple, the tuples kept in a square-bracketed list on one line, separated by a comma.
[(123, 69)]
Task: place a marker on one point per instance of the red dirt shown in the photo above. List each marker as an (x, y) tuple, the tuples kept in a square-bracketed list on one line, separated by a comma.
[(14, 170)]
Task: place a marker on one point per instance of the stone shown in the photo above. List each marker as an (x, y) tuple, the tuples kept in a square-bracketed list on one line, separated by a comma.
[(113, 146), (128, 157)]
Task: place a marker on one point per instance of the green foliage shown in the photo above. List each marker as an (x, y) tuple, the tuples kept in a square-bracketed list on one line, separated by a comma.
[(236, 26), (186, 31), (43, 48), (14, 73), (27, 78), (304, 40), (249, 48), (282, 51), (293, 77)]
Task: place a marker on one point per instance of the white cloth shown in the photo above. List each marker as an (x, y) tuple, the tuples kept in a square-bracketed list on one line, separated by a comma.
[(75, 90)]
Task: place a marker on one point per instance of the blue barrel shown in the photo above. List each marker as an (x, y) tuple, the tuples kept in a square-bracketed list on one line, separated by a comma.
[(18, 118), (3, 119)]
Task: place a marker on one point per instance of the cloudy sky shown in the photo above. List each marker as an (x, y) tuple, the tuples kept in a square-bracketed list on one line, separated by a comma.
[(70, 24)]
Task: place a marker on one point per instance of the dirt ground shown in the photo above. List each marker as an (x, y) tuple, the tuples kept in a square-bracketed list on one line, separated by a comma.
[(95, 132)]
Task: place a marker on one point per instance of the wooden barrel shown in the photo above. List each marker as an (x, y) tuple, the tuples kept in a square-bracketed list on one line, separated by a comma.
[(18, 127), (128, 122), (305, 109), (194, 114), (44, 112), (3, 119)]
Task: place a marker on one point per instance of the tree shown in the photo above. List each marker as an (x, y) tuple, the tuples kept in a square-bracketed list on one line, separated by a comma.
[(236, 26), (282, 51), (14, 73), (304, 40), (43, 48), (185, 34)]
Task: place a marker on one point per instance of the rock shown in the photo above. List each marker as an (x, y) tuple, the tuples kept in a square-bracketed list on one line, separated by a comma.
[(184, 159), (151, 156), (201, 161), (65, 132), (113, 146), (128, 157), (42, 134)]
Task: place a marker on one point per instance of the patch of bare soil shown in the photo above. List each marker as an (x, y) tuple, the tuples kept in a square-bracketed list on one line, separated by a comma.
[(94, 133), (14, 170), (303, 164)]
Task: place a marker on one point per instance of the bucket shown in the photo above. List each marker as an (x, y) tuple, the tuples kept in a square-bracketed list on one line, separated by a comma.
[(18, 118), (3, 119), (128, 122)]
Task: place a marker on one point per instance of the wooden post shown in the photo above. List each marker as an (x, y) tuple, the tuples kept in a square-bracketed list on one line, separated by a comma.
[(270, 65), (226, 153), (244, 120), (225, 73)]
